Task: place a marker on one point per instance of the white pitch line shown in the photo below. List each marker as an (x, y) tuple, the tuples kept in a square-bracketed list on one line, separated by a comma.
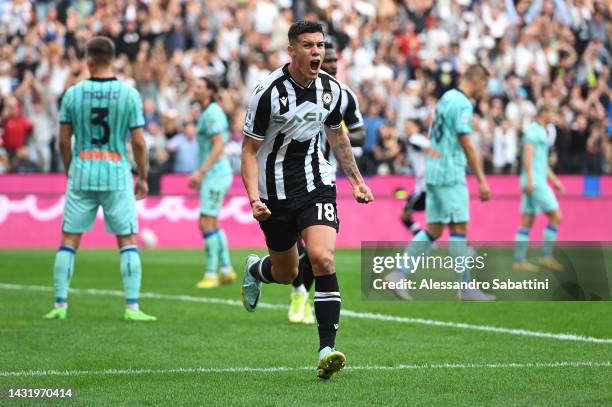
[(345, 313), (246, 369)]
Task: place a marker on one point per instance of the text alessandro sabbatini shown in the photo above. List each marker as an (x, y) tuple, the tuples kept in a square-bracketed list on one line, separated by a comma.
[(410, 264)]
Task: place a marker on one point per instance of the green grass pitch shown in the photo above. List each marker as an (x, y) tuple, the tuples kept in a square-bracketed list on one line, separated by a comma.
[(205, 350)]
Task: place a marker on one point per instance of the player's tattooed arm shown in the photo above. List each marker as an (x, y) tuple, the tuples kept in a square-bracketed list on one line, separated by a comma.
[(65, 145), (341, 146), (357, 137)]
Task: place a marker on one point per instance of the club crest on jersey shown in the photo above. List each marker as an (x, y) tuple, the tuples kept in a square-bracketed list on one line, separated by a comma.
[(327, 98)]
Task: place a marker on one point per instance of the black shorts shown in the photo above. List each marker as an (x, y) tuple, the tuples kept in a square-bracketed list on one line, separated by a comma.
[(415, 202), (291, 216)]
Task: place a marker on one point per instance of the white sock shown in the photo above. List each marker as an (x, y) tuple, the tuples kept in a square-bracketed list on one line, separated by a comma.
[(61, 305), (210, 274), (133, 307), (226, 270), (301, 289)]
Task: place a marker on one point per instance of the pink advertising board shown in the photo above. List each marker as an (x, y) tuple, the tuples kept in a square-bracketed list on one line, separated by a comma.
[(31, 210)]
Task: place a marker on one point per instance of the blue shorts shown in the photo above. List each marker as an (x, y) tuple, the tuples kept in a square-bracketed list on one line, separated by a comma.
[(212, 192), (542, 199), (447, 204), (119, 209)]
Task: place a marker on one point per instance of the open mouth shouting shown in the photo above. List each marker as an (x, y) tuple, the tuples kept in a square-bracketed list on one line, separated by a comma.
[(315, 64)]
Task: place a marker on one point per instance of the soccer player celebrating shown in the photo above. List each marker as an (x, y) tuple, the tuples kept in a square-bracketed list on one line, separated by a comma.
[(213, 178), (99, 112), (537, 195), (447, 199), (289, 183), (299, 308)]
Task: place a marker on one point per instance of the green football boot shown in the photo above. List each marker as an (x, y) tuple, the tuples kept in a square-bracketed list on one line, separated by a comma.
[(137, 315), (57, 313)]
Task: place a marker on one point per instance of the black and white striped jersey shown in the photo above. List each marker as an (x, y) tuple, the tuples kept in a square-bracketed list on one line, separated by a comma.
[(290, 119), (353, 120)]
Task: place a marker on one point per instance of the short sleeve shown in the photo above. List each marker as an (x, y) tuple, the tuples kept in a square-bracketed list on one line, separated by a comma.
[(258, 113), (334, 120), (216, 123), (136, 119), (352, 117), (65, 115), (530, 137), (463, 120)]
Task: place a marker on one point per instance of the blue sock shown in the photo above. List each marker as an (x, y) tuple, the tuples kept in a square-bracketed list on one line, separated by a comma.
[(420, 244), (224, 254), (211, 241), (550, 237), (63, 270), (522, 244), (458, 248), (131, 273)]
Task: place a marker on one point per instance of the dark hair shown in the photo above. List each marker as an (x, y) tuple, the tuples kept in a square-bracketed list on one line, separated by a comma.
[(302, 26), (211, 84), (101, 49), (329, 45)]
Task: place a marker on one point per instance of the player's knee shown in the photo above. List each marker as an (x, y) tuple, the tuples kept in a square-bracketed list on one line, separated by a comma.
[(322, 261), (207, 224), (286, 276), (436, 235), (71, 240), (527, 222), (556, 218), (126, 240)]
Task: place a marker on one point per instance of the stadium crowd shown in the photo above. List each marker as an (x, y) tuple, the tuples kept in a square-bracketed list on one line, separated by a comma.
[(398, 57)]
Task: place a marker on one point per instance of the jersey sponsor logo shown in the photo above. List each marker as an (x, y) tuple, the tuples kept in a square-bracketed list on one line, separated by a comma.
[(249, 118), (308, 117), (327, 98), (259, 89), (93, 155)]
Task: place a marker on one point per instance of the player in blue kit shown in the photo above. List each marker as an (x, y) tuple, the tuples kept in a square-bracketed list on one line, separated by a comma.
[(447, 197), (213, 178), (537, 197), (101, 112)]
